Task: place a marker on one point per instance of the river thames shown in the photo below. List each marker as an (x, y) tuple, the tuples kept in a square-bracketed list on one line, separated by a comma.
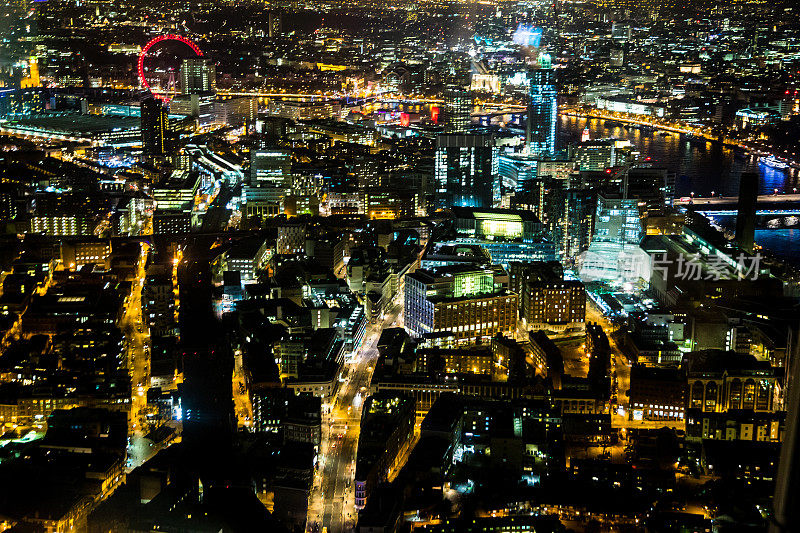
[(701, 168)]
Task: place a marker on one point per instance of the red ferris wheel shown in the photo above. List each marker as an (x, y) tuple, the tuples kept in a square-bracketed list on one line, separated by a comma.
[(163, 89)]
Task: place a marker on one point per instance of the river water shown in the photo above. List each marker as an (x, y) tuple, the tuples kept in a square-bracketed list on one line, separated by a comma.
[(702, 168)]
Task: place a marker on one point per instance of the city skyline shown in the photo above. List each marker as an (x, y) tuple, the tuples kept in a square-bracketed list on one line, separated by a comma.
[(414, 267)]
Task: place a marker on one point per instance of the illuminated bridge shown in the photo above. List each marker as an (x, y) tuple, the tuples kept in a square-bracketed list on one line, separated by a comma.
[(767, 204), (772, 211)]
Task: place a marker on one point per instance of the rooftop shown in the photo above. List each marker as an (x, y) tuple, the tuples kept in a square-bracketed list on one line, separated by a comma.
[(76, 124), (515, 215)]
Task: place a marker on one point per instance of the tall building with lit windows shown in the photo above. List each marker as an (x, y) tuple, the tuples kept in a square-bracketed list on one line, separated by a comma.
[(275, 28), (465, 170), (457, 110), (542, 110), (64, 214), (198, 75), (154, 127), (468, 301), (269, 167), (517, 171)]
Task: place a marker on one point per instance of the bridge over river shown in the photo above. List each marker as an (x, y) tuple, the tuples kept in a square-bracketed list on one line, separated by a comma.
[(772, 211)]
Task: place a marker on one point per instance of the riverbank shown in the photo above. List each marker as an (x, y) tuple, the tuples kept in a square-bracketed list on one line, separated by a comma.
[(701, 133)]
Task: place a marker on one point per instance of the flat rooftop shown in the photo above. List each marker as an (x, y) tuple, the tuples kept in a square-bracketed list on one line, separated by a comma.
[(75, 123)]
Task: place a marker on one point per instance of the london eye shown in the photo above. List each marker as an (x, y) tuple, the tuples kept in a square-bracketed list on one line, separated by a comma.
[(160, 60)]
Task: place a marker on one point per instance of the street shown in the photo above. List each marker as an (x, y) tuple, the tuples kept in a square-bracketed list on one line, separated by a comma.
[(332, 500), (241, 397), (138, 358), (621, 380)]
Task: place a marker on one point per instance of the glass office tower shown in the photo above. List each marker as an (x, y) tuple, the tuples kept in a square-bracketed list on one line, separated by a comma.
[(542, 112)]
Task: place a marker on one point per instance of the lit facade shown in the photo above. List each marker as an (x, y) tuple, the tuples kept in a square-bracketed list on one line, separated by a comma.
[(57, 225), (508, 235), (265, 191), (516, 171), (734, 389), (470, 361), (178, 192), (598, 155), (465, 170), (614, 254), (154, 128), (542, 112), (198, 75), (464, 301), (657, 394), (554, 303), (86, 252), (291, 239), (20, 102), (457, 110)]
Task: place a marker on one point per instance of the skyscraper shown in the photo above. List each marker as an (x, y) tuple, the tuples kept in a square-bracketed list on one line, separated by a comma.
[(198, 75), (542, 112), (578, 222), (466, 166), (457, 110), (154, 127), (566, 212)]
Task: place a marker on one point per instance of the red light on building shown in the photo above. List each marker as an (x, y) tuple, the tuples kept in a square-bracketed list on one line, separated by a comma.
[(405, 119), (435, 114)]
